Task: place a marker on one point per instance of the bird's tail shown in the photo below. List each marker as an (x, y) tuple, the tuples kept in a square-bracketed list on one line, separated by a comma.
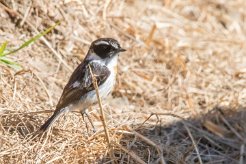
[(51, 120)]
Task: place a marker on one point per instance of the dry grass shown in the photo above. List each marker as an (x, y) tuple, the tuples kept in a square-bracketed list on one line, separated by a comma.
[(184, 57)]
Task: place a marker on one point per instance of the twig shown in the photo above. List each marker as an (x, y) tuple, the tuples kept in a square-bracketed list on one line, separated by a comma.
[(26, 14), (151, 34), (241, 154), (194, 144), (231, 128), (6, 112), (164, 114), (129, 152), (159, 150), (128, 148), (105, 9), (94, 81), (145, 120), (15, 86), (38, 157)]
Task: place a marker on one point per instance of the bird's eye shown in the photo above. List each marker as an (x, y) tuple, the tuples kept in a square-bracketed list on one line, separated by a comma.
[(102, 50)]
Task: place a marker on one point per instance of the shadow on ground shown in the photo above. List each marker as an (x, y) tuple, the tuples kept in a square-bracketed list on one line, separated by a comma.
[(219, 136)]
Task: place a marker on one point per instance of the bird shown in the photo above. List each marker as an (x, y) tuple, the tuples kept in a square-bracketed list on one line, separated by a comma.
[(79, 93)]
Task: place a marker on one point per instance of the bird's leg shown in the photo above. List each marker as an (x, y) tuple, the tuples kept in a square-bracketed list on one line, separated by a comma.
[(89, 118), (85, 112), (83, 116)]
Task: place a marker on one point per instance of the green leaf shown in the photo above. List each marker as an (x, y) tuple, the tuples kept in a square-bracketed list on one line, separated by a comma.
[(10, 63), (2, 48), (33, 39)]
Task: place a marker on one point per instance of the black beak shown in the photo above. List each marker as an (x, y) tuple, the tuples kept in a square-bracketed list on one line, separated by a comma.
[(122, 50)]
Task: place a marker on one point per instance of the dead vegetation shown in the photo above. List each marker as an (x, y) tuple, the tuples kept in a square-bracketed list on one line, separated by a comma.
[(185, 59)]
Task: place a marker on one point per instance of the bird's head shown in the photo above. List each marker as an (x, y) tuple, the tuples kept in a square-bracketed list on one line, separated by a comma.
[(105, 48)]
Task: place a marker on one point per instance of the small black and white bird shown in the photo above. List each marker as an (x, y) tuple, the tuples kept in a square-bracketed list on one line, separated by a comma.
[(79, 93)]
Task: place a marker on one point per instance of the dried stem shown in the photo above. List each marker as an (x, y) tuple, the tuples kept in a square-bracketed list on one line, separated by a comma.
[(94, 80), (132, 154), (194, 144)]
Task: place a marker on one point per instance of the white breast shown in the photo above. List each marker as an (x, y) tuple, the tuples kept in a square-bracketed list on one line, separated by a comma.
[(106, 88), (108, 85)]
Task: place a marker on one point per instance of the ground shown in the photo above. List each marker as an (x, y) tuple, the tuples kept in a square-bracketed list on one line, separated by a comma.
[(185, 64)]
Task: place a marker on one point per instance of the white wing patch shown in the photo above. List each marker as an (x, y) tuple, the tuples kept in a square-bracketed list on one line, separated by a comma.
[(76, 84)]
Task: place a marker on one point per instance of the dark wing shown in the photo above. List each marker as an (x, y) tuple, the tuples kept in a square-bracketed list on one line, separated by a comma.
[(81, 82)]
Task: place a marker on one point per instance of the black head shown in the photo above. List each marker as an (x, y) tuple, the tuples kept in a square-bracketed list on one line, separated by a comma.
[(106, 47)]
